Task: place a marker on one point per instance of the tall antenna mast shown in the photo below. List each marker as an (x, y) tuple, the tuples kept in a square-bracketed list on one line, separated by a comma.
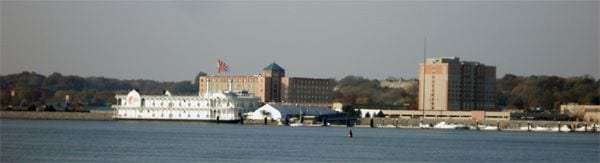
[(424, 76)]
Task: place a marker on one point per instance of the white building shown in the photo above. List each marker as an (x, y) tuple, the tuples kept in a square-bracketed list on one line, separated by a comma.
[(370, 112), (223, 106)]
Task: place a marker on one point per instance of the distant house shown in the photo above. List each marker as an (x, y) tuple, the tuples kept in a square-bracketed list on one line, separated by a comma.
[(280, 111), (399, 83), (367, 113), (582, 112)]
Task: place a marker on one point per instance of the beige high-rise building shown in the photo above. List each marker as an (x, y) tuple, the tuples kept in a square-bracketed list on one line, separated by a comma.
[(272, 86), (446, 83)]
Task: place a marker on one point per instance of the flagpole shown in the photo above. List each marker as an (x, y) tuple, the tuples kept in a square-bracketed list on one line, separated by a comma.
[(222, 67)]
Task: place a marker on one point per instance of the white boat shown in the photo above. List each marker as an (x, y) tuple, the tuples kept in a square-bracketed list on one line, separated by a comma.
[(563, 128), (540, 129), (425, 126), (536, 128), (590, 128), (296, 124), (472, 128), (524, 128), (385, 126), (489, 128), (444, 125), (582, 129)]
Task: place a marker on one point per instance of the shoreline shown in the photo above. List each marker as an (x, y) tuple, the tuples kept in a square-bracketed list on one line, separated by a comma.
[(510, 125), (93, 116)]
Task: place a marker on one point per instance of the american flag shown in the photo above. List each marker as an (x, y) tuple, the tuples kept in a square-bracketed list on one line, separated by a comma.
[(221, 66)]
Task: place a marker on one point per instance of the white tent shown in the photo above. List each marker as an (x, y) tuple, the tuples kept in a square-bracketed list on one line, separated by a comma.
[(279, 111)]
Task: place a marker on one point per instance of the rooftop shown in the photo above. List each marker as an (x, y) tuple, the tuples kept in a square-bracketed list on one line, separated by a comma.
[(273, 67)]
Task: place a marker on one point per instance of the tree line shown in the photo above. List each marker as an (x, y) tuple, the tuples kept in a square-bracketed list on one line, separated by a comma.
[(27, 89), (512, 92), (357, 90), (529, 93), (546, 93)]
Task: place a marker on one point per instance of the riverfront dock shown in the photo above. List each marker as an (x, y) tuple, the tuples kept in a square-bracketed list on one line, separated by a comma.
[(510, 125), (506, 125)]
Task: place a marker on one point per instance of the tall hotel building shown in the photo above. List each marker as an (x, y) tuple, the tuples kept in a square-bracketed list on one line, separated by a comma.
[(272, 86), (453, 85)]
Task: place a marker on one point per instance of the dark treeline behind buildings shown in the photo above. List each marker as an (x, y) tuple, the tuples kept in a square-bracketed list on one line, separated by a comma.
[(546, 92), (35, 89), (512, 92), (366, 92)]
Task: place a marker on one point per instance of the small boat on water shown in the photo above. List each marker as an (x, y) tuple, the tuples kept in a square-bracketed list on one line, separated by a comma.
[(563, 128), (590, 128), (489, 128), (296, 124), (541, 129), (386, 126), (582, 129), (425, 126), (524, 128), (444, 125)]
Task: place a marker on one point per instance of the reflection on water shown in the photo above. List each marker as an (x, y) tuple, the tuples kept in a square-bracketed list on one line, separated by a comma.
[(159, 141)]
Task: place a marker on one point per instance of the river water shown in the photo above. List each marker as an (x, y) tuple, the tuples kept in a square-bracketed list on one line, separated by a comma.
[(161, 141)]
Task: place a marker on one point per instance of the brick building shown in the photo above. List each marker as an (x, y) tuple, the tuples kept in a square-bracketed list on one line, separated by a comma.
[(273, 86)]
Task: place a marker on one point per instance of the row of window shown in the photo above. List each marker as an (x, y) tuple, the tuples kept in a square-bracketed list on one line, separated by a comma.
[(309, 97), (310, 92), (171, 115), (171, 104), (233, 80), (318, 87), (309, 101), (310, 82), (225, 85)]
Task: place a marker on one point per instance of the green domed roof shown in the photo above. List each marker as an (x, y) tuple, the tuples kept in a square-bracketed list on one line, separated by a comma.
[(273, 67)]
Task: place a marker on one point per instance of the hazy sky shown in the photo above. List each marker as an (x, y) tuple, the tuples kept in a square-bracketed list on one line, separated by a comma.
[(172, 41)]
